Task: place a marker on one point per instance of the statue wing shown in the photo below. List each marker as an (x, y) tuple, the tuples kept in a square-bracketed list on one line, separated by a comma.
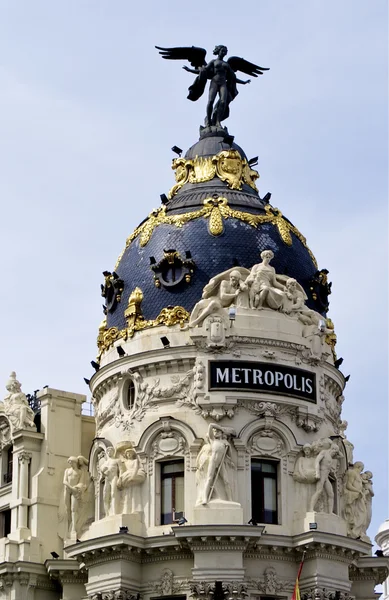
[(196, 56), (212, 288), (240, 64)]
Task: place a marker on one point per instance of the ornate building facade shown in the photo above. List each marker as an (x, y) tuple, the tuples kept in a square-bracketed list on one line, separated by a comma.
[(217, 455)]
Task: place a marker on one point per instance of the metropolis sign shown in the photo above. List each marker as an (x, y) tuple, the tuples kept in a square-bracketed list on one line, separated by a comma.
[(262, 377)]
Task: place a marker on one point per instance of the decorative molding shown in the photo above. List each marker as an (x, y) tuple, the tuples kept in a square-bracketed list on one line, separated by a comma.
[(227, 165), (325, 594), (169, 316), (268, 443), (215, 210), (168, 584), (202, 590), (168, 443), (24, 456), (269, 583), (234, 590), (273, 410)]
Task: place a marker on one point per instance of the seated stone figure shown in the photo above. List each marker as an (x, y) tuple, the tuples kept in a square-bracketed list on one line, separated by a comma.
[(266, 289), (222, 291), (293, 303), (16, 406)]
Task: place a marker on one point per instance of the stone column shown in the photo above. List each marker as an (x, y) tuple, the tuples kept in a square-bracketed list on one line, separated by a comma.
[(24, 459)]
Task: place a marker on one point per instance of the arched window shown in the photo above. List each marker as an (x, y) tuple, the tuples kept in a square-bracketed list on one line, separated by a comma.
[(264, 491)]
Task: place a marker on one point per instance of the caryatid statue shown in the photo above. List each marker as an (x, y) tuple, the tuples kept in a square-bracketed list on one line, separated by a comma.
[(131, 475), (222, 76)]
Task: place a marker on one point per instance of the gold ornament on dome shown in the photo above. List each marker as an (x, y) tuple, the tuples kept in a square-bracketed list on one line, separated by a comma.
[(228, 166), (171, 315), (216, 210)]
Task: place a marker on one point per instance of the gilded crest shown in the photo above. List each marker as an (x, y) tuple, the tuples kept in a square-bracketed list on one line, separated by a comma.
[(229, 168)]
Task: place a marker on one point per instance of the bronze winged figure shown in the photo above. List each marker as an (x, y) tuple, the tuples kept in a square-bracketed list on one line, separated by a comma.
[(220, 72)]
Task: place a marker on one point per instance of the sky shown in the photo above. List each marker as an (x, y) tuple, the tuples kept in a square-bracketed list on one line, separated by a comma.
[(88, 114)]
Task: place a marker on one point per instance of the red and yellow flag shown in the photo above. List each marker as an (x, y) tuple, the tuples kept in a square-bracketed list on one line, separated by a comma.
[(296, 591)]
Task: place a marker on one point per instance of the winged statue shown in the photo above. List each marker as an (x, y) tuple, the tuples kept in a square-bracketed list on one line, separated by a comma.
[(220, 72)]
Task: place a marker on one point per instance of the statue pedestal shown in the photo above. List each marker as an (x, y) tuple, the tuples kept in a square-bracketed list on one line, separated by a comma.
[(218, 512), (327, 523), (110, 525)]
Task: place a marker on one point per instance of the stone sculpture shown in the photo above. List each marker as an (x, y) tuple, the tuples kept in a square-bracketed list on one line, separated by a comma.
[(260, 288), (221, 74), (77, 502), (315, 467), (368, 493), (357, 495), (305, 469), (16, 406), (265, 289), (349, 447), (131, 475), (270, 583), (294, 304), (221, 292), (324, 468), (213, 463), (110, 471)]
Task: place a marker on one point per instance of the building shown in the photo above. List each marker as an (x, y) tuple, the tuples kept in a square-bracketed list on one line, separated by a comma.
[(217, 457)]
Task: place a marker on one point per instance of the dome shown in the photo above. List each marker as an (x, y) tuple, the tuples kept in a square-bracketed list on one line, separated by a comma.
[(213, 219)]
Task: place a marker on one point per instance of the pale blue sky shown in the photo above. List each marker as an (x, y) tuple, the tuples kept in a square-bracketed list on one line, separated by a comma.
[(89, 113)]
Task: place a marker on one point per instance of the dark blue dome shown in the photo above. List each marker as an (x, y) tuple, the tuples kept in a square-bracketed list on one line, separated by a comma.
[(238, 242)]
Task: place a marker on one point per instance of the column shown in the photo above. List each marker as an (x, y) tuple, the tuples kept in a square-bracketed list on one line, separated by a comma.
[(24, 459)]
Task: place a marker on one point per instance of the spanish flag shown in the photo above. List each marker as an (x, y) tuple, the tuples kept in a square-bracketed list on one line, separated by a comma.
[(296, 591)]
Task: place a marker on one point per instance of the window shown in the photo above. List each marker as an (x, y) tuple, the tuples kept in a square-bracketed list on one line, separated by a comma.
[(5, 523), (130, 394), (264, 491), (172, 491), (7, 473)]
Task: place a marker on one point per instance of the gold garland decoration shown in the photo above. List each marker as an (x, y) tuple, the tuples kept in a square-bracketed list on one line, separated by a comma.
[(172, 315), (228, 166), (216, 209)]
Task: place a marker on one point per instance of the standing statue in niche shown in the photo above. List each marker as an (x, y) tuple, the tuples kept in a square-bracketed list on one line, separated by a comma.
[(355, 508), (349, 446), (222, 291), (368, 493), (213, 464), (324, 466), (110, 472), (221, 74), (315, 468), (76, 506), (131, 475), (16, 406)]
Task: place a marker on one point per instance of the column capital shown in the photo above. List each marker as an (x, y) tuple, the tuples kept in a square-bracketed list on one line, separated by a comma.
[(24, 456)]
